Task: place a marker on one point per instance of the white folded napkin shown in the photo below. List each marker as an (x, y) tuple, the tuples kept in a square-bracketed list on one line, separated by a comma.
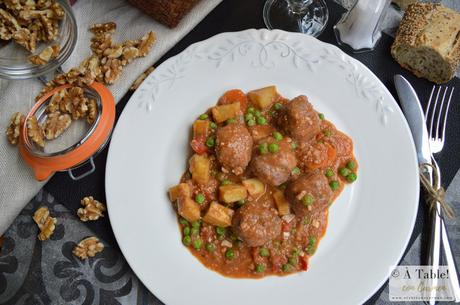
[(17, 183)]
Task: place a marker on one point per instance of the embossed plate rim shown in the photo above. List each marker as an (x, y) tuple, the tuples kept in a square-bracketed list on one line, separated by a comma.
[(149, 172)]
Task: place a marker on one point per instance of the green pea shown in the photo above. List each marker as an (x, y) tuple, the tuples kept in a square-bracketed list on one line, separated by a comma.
[(183, 221), (220, 230), (352, 177), (233, 237), (257, 113), (263, 148), (251, 123), (311, 241), (286, 267), (307, 200), (241, 202), (230, 121), (278, 136), (293, 261), (213, 125), (210, 247), (187, 240), (197, 243), (251, 110), (293, 145), (321, 116), (273, 148), (351, 164), (225, 182), (210, 142), (261, 120), (248, 116), (196, 224), (327, 133), (229, 254), (278, 106), (199, 198), (264, 252), (296, 171), (186, 231), (334, 185), (344, 171), (329, 172), (260, 268), (204, 116), (195, 231)]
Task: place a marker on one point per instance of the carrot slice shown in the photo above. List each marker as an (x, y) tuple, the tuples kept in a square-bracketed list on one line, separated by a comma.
[(234, 96)]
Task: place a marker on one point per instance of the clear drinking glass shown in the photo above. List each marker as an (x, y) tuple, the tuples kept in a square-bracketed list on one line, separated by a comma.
[(304, 16)]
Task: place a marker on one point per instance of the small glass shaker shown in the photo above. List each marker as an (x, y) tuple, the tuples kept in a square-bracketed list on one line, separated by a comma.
[(360, 28)]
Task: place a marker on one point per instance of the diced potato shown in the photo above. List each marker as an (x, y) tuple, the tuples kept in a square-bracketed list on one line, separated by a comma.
[(200, 128), (218, 215), (182, 189), (199, 167), (281, 203), (224, 112), (232, 193), (263, 98), (188, 208), (254, 186)]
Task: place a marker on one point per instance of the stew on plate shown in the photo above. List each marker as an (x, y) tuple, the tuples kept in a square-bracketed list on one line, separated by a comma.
[(263, 173)]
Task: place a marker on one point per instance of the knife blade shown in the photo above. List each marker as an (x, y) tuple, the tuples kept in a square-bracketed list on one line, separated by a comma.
[(416, 119)]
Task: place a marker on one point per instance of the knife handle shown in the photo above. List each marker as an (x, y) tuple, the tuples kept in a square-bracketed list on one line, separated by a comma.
[(449, 260)]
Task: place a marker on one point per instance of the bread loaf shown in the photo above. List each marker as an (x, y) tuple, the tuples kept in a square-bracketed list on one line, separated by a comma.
[(403, 4), (428, 42)]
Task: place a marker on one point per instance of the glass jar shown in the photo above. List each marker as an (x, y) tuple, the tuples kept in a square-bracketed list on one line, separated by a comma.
[(14, 62)]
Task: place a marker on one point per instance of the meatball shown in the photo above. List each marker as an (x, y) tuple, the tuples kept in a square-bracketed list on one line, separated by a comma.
[(256, 223), (274, 168), (234, 147), (299, 119), (316, 190)]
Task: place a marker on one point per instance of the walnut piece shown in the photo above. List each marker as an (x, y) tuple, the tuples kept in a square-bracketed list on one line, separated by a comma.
[(141, 78), (45, 223), (92, 210), (92, 111), (14, 128), (101, 28), (74, 103), (88, 247), (35, 132), (146, 43), (48, 53), (55, 124)]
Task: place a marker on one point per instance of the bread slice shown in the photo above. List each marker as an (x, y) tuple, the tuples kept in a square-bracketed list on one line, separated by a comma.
[(428, 42)]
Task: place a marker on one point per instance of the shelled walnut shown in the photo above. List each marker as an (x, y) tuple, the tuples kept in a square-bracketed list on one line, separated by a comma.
[(35, 131), (45, 223), (88, 247), (48, 53), (56, 123), (13, 131), (92, 210), (92, 111)]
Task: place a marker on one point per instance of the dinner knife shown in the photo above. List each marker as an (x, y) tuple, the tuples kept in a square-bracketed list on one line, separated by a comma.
[(416, 120)]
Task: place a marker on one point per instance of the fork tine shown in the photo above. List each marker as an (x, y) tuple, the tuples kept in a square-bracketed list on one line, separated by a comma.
[(440, 112), (429, 104), (433, 112), (447, 113)]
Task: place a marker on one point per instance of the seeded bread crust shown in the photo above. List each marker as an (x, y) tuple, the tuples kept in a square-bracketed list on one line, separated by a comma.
[(428, 42)]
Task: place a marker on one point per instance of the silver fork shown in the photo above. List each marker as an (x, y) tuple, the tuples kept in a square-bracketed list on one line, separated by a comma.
[(436, 115)]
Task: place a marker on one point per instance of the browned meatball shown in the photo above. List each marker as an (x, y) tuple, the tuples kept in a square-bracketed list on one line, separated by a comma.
[(234, 147), (313, 186), (256, 223), (274, 168), (299, 119)]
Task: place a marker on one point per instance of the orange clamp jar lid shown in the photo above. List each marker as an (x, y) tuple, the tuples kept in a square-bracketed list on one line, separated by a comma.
[(45, 163)]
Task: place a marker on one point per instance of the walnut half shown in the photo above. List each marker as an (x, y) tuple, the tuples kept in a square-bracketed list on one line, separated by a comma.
[(55, 124), (92, 210), (35, 132), (45, 223), (48, 53), (14, 128), (88, 247)]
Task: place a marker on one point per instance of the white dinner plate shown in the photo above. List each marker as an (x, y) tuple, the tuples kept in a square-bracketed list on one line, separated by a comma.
[(369, 224)]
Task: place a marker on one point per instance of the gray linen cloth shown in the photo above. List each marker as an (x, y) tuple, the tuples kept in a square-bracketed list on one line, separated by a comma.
[(17, 183)]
